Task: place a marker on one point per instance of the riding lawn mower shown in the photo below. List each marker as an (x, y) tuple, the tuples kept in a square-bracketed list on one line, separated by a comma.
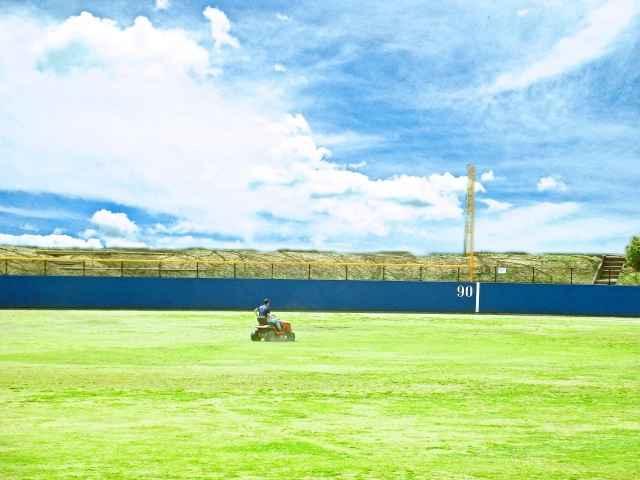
[(269, 333)]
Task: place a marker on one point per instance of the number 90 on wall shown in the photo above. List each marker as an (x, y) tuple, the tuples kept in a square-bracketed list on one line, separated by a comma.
[(465, 291)]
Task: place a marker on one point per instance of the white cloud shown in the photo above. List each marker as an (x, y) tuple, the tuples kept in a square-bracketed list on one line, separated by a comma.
[(89, 233), (117, 242), (27, 227), (523, 12), (282, 17), (349, 140), (163, 4), (552, 221), (278, 67), (38, 213), (220, 28), (593, 40), (551, 184), (187, 145), (487, 176), (52, 240), (496, 205), (538, 227), (111, 222), (88, 41), (357, 166)]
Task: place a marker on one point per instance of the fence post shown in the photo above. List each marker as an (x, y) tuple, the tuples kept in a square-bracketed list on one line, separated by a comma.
[(84, 268), (45, 268), (309, 273), (6, 266), (159, 269), (533, 274), (495, 274), (197, 269), (272, 271), (346, 272), (458, 274), (121, 269), (609, 276), (235, 272), (420, 272), (571, 270), (384, 272)]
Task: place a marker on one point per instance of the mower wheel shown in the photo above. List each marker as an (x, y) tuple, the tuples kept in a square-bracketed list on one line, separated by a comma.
[(255, 337), (291, 337)]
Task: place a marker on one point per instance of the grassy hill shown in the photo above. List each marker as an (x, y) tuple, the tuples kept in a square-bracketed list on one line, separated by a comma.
[(506, 267)]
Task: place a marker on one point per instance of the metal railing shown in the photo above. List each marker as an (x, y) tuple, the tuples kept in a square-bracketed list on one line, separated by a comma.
[(310, 270)]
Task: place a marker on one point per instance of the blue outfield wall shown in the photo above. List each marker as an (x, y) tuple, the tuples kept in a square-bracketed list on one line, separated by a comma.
[(321, 295), (222, 294), (560, 299)]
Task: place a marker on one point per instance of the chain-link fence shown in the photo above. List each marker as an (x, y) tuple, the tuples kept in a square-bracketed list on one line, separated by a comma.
[(188, 268)]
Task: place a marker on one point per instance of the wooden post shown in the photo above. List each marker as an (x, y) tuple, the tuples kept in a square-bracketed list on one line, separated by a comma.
[(272, 271), (235, 273), (495, 275), (159, 269), (346, 272), (609, 276), (84, 268), (197, 269), (571, 273), (458, 274), (6, 266), (420, 272), (45, 268), (309, 273), (383, 273), (121, 269)]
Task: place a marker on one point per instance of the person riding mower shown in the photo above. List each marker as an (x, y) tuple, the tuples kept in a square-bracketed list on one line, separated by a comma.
[(270, 328)]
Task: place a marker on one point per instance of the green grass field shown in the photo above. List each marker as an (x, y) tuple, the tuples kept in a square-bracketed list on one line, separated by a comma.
[(186, 396)]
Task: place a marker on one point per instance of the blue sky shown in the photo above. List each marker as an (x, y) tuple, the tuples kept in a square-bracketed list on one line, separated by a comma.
[(335, 125)]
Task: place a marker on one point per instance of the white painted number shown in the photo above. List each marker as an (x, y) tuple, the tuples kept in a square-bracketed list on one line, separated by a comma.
[(465, 291)]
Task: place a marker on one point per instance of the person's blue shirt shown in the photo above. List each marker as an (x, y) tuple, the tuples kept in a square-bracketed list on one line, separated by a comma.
[(264, 310)]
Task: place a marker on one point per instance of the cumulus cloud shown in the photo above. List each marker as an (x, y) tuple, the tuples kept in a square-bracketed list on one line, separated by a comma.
[(487, 176), (523, 12), (89, 233), (220, 28), (52, 240), (110, 222), (496, 205), (163, 4), (278, 67), (282, 17), (88, 42), (185, 144), (600, 30), (551, 184)]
